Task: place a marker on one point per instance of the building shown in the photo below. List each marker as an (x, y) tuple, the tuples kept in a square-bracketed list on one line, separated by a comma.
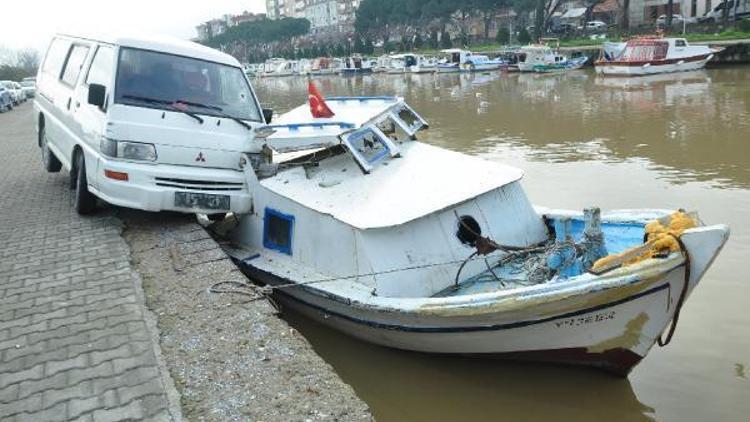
[(325, 16), (215, 27), (645, 12), (277, 9)]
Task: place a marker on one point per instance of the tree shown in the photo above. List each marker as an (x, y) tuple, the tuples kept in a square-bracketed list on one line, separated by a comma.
[(503, 36), (625, 18), (434, 39), (369, 47), (359, 46), (539, 19), (670, 8), (523, 36), (445, 40), (487, 10), (417, 43)]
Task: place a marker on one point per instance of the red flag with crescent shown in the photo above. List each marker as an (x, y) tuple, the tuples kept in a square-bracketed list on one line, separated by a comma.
[(318, 106)]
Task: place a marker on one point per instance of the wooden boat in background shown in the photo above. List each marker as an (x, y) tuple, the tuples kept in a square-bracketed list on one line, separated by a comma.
[(651, 55)]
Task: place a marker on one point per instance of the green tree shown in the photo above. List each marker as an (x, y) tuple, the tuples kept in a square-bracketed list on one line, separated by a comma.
[(433, 42), (445, 40), (369, 46), (359, 46), (503, 36), (523, 36)]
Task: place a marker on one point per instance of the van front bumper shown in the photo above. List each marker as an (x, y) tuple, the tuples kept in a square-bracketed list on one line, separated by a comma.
[(152, 187)]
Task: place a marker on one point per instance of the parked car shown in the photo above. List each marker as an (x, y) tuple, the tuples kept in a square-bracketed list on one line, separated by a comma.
[(171, 131), (676, 20), (21, 93), (29, 87), (593, 26), (6, 102), (715, 14), (16, 95)]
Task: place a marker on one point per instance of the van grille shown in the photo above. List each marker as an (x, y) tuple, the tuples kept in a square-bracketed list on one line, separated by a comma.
[(204, 185)]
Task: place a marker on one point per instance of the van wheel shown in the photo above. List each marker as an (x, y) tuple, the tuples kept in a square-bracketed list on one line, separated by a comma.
[(49, 160), (85, 200), (217, 217)]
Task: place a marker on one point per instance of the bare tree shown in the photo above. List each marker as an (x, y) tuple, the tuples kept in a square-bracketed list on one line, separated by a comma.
[(28, 60)]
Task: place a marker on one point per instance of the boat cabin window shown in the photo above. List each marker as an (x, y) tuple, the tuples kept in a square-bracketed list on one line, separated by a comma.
[(456, 58), (278, 229), (368, 146), (680, 43)]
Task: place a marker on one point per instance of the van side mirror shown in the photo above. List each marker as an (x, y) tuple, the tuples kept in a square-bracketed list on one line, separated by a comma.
[(97, 93), (267, 115)]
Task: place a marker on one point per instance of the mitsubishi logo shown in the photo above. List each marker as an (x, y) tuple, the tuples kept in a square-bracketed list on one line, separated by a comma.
[(201, 157)]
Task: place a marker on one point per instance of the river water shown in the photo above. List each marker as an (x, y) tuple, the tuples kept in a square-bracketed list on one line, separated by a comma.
[(666, 141)]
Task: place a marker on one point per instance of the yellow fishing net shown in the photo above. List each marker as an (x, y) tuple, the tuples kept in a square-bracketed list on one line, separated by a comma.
[(659, 239)]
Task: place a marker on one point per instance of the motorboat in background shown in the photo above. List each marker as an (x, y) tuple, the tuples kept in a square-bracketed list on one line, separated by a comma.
[(458, 60), (650, 55), (355, 65), (542, 58), (280, 67)]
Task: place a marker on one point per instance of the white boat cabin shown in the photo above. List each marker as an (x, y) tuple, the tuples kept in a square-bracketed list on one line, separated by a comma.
[(534, 55), (361, 196)]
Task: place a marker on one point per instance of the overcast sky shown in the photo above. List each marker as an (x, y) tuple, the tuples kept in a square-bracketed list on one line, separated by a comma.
[(31, 23)]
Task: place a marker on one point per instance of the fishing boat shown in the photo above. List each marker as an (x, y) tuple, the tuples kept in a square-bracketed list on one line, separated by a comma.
[(543, 58), (407, 245), (458, 60), (400, 63), (651, 55), (425, 65), (280, 67), (321, 66), (561, 66), (355, 66)]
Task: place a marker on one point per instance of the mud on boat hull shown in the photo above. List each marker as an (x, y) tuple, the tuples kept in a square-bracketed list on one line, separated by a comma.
[(611, 334)]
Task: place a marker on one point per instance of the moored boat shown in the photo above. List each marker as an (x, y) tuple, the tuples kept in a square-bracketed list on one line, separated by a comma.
[(355, 65), (458, 60), (651, 55), (455, 261), (542, 57)]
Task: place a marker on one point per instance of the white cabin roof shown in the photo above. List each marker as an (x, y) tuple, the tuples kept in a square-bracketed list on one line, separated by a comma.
[(424, 180), (157, 42), (354, 110)]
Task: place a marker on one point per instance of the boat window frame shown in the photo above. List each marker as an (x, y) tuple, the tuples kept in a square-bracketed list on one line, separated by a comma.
[(268, 243), (412, 130), (365, 164)]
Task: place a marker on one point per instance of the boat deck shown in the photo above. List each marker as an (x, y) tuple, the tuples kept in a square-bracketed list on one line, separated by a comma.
[(618, 238)]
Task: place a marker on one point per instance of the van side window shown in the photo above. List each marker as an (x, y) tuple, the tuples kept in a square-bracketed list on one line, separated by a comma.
[(100, 71), (74, 64), (56, 54)]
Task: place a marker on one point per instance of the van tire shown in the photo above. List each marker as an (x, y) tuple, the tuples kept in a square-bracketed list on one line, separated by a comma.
[(85, 201), (49, 160)]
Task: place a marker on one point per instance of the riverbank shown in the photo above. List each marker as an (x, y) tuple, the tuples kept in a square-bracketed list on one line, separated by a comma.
[(107, 317), (231, 357)]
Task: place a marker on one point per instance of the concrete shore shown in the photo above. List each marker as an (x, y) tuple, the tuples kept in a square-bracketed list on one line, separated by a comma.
[(108, 317)]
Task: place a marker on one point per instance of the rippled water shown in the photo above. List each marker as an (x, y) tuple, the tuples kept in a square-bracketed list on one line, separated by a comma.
[(664, 141)]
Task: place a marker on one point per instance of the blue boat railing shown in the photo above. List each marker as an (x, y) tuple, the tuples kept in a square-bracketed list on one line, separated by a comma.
[(314, 125), (363, 99)]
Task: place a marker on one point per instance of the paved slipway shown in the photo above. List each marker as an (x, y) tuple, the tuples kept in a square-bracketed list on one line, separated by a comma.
[(79, 340)]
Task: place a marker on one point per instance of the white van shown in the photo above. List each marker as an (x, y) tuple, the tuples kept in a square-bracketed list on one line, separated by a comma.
[(151, 123), (715, 14)]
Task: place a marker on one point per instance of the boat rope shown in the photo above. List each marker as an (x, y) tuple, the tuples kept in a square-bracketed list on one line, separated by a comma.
[(683, 294), (244, 288)]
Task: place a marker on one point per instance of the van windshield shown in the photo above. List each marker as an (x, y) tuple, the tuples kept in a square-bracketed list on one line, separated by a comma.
[(159, 80)]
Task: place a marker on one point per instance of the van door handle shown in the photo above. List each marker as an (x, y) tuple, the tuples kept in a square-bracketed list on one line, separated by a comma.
[(69, 100)]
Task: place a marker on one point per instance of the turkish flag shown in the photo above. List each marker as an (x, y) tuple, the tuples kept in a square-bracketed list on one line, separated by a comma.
[(318, 106)]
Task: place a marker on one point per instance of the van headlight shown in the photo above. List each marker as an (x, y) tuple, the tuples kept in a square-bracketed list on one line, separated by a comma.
[(128, 150)]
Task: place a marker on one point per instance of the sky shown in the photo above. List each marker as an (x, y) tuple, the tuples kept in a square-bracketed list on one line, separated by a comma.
[(31, 23)]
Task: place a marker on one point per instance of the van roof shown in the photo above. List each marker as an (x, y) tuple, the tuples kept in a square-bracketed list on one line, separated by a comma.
[(158, 42)]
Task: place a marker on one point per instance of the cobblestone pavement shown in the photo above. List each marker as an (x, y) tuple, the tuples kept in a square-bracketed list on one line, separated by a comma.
[(75, 339)]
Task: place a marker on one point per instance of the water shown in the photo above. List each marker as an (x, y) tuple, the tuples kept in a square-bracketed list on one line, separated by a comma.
[(667, 141)]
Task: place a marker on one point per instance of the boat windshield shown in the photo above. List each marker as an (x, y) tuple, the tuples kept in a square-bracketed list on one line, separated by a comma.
[(160, 80)]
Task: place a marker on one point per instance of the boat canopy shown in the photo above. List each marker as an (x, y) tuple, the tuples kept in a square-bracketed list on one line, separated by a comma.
[(645, 49)]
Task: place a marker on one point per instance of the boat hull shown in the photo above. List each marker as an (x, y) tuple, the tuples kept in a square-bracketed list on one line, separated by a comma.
[(614, 335), (653, 67)]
